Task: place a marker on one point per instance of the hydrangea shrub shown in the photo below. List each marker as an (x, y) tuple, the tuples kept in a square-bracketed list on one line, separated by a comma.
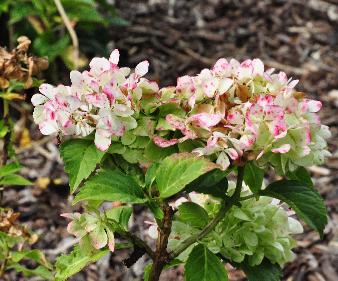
[(176, 150)]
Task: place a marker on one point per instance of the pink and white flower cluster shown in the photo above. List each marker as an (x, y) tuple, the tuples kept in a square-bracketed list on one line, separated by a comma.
[(242, 111), (234, 111), (103, 99)]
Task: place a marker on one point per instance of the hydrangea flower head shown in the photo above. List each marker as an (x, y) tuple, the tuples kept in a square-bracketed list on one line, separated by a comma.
[(243, 112), (102, 99)]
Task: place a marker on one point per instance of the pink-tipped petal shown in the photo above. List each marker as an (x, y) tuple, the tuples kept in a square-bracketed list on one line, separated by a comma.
[(282, 149), (111, 240), (102, 140), (220, 66), (314, 105), (205, 120), (161, 142)]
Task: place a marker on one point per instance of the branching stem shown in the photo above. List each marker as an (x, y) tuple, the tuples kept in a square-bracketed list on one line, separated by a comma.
[(234, 199), (137, 242), (161, 255)]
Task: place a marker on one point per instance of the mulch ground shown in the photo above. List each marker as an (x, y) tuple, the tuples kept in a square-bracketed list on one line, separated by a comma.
[(181, 37)]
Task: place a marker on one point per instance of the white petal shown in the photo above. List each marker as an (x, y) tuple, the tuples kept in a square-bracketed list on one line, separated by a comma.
[(142, 68), (295, 226), (48, 127), (224, 85), (179, 202), (38, 99), (293, 83), (114, 57), (220, 66), (258, 67), (209, 87), (314, 105), (76, 78), (223, 161), (125, 71), (47, 90), (245, 70), (99, 65), (38, 115), (102, 142)]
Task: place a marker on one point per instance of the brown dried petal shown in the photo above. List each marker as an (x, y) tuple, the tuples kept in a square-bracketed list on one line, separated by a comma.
[(299, 95), (24, 44), (4, 83), (242, 92)]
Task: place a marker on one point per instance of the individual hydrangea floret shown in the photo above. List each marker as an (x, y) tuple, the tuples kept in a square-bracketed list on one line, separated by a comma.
[(91, 226)]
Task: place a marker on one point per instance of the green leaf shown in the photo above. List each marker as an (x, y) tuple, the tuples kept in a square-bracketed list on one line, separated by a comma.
[(34, 255), (155, 153), (133, 156), (121, 246), (151, 175), (68, 265), (193, 214), (128, 138), (140, 142), (189, 145), (116, 148), (48, 44), (203, 265), (11, 168), (4, 129), (80, 158), (8, 240), (253, 177), (214, 183), (14, 180), (111, 186), (266, 271), (121, 215), (301, 175), (19, 12), (41, 271), (178, 170), (305, 201), (147, 271), (155, 208), (83, 12)]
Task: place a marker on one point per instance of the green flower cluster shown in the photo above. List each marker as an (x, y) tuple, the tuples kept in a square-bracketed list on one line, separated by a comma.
[(256, 230)]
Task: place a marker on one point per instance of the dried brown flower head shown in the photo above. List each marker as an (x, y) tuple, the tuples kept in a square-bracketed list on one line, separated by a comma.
[(19, 65), (10, 225)]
